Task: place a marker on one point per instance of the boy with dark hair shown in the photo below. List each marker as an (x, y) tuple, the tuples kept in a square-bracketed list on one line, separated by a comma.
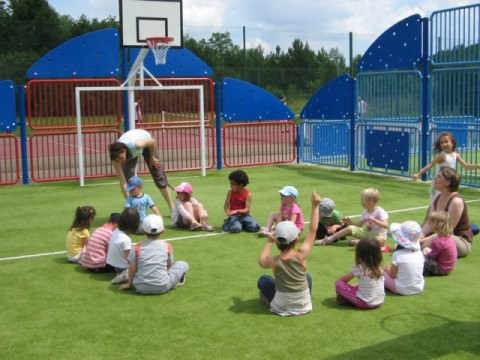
[(237, 205)]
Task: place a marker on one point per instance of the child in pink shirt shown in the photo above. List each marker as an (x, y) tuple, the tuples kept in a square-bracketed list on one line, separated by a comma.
[(441, 256), (289, 210)]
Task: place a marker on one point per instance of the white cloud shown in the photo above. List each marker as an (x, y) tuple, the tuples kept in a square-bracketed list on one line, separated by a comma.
[(323, 23)]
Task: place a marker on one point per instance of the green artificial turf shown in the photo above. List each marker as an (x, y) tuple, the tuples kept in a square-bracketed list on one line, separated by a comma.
[(50, 309)]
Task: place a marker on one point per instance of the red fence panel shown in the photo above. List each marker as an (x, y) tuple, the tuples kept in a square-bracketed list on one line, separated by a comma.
[(54, 156), (175, 107), (179, 147), (262, 143), (9, 159), (51, 104)]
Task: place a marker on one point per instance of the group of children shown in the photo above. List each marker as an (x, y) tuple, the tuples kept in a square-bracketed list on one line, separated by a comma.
[(149, 266)]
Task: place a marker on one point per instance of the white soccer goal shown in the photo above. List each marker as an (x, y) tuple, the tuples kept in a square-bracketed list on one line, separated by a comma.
[(131, 90)]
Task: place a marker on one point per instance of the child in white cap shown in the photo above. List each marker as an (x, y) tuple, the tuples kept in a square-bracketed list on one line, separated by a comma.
[(152, 269), (289, 210), (404, 275), (290, 292), (188, 212)]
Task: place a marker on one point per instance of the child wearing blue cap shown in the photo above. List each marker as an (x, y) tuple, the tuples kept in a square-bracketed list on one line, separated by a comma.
[(289, 210), (140, 201)]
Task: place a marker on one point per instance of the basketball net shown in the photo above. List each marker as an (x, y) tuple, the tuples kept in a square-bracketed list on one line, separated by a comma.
[(159, 46)]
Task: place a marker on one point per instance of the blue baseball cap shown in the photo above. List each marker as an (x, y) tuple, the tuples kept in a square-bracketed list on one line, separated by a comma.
[(289, 191), (134, 182)]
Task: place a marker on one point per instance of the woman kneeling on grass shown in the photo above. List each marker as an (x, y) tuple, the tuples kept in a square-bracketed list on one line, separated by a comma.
[(152, 269), (290, 292)]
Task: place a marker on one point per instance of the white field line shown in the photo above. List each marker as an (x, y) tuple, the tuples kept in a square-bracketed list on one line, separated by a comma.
[(207, 234)]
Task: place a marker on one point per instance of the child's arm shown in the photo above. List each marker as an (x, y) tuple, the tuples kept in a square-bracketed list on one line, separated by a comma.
[(392, 270), (265, 260), (226, 205), (381, 223), (123, 181), (155, 210), (170, 259), (427, 240), (467, 165), (347, 277), (132, 269), (436, 160), (312, 230), (348, 220)]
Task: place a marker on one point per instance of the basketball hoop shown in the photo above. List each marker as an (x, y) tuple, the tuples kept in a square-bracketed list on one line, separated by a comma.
[(159, 46)]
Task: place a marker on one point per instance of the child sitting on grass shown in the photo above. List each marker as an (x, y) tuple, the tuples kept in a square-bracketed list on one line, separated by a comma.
[(137, 199), (289, 210), (404, 275), (79, 232), (152, 269), (370, 291), (373, 222), (441, 255), (94, 254), (237, 205), (121, 244), (188, 212), (330, 220), (290, 292)]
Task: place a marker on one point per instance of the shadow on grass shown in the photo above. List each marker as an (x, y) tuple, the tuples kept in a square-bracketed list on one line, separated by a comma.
[(250, 306), (420, 336)]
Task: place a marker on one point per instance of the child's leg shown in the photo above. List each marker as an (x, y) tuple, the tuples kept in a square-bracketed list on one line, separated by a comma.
[(232, 224), (340, 234), (176, 272), (249, 223), (266, 285), (274, 218), (389, 282), (349, 293)]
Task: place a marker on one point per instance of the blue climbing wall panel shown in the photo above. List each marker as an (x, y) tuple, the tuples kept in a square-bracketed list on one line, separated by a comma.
[(95, 54), (243, 101), (399, 47), (8, 108), (332, 101), (387, 149)]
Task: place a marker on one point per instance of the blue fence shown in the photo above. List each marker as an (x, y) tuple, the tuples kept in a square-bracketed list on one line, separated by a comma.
[(419, 78)]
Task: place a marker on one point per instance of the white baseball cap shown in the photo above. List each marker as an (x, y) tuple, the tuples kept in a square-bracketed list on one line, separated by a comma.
[(286, 232), (153, 224)]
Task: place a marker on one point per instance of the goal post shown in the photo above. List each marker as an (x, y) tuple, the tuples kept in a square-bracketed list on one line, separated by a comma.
[(130, 90)]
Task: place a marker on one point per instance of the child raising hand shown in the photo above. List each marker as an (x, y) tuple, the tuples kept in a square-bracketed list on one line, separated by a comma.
[(290, 292)]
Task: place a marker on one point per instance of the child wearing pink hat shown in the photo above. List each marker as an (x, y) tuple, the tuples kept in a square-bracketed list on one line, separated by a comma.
[(188, 212)]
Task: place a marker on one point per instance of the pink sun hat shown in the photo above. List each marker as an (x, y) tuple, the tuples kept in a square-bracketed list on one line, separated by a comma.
[(184, 187)]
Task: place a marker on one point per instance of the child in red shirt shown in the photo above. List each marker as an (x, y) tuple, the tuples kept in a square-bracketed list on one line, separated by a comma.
[(237, 205)]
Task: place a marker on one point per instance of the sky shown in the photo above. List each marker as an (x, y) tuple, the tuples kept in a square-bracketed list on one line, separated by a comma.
[(321, 23)]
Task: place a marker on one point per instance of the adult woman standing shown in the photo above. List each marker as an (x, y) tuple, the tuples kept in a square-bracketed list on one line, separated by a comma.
[(446, 183)]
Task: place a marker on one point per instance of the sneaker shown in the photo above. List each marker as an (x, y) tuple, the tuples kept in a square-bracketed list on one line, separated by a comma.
[(182, 280), (323, 241), (207, 227), (264, 232), (386, 249), (121, 277), (196, 227), (263, 299)]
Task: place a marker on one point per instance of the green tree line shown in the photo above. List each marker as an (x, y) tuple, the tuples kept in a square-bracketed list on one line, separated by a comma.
[(30, 28)]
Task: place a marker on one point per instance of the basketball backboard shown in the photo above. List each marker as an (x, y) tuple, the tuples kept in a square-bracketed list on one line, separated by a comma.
[(141, 19)]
